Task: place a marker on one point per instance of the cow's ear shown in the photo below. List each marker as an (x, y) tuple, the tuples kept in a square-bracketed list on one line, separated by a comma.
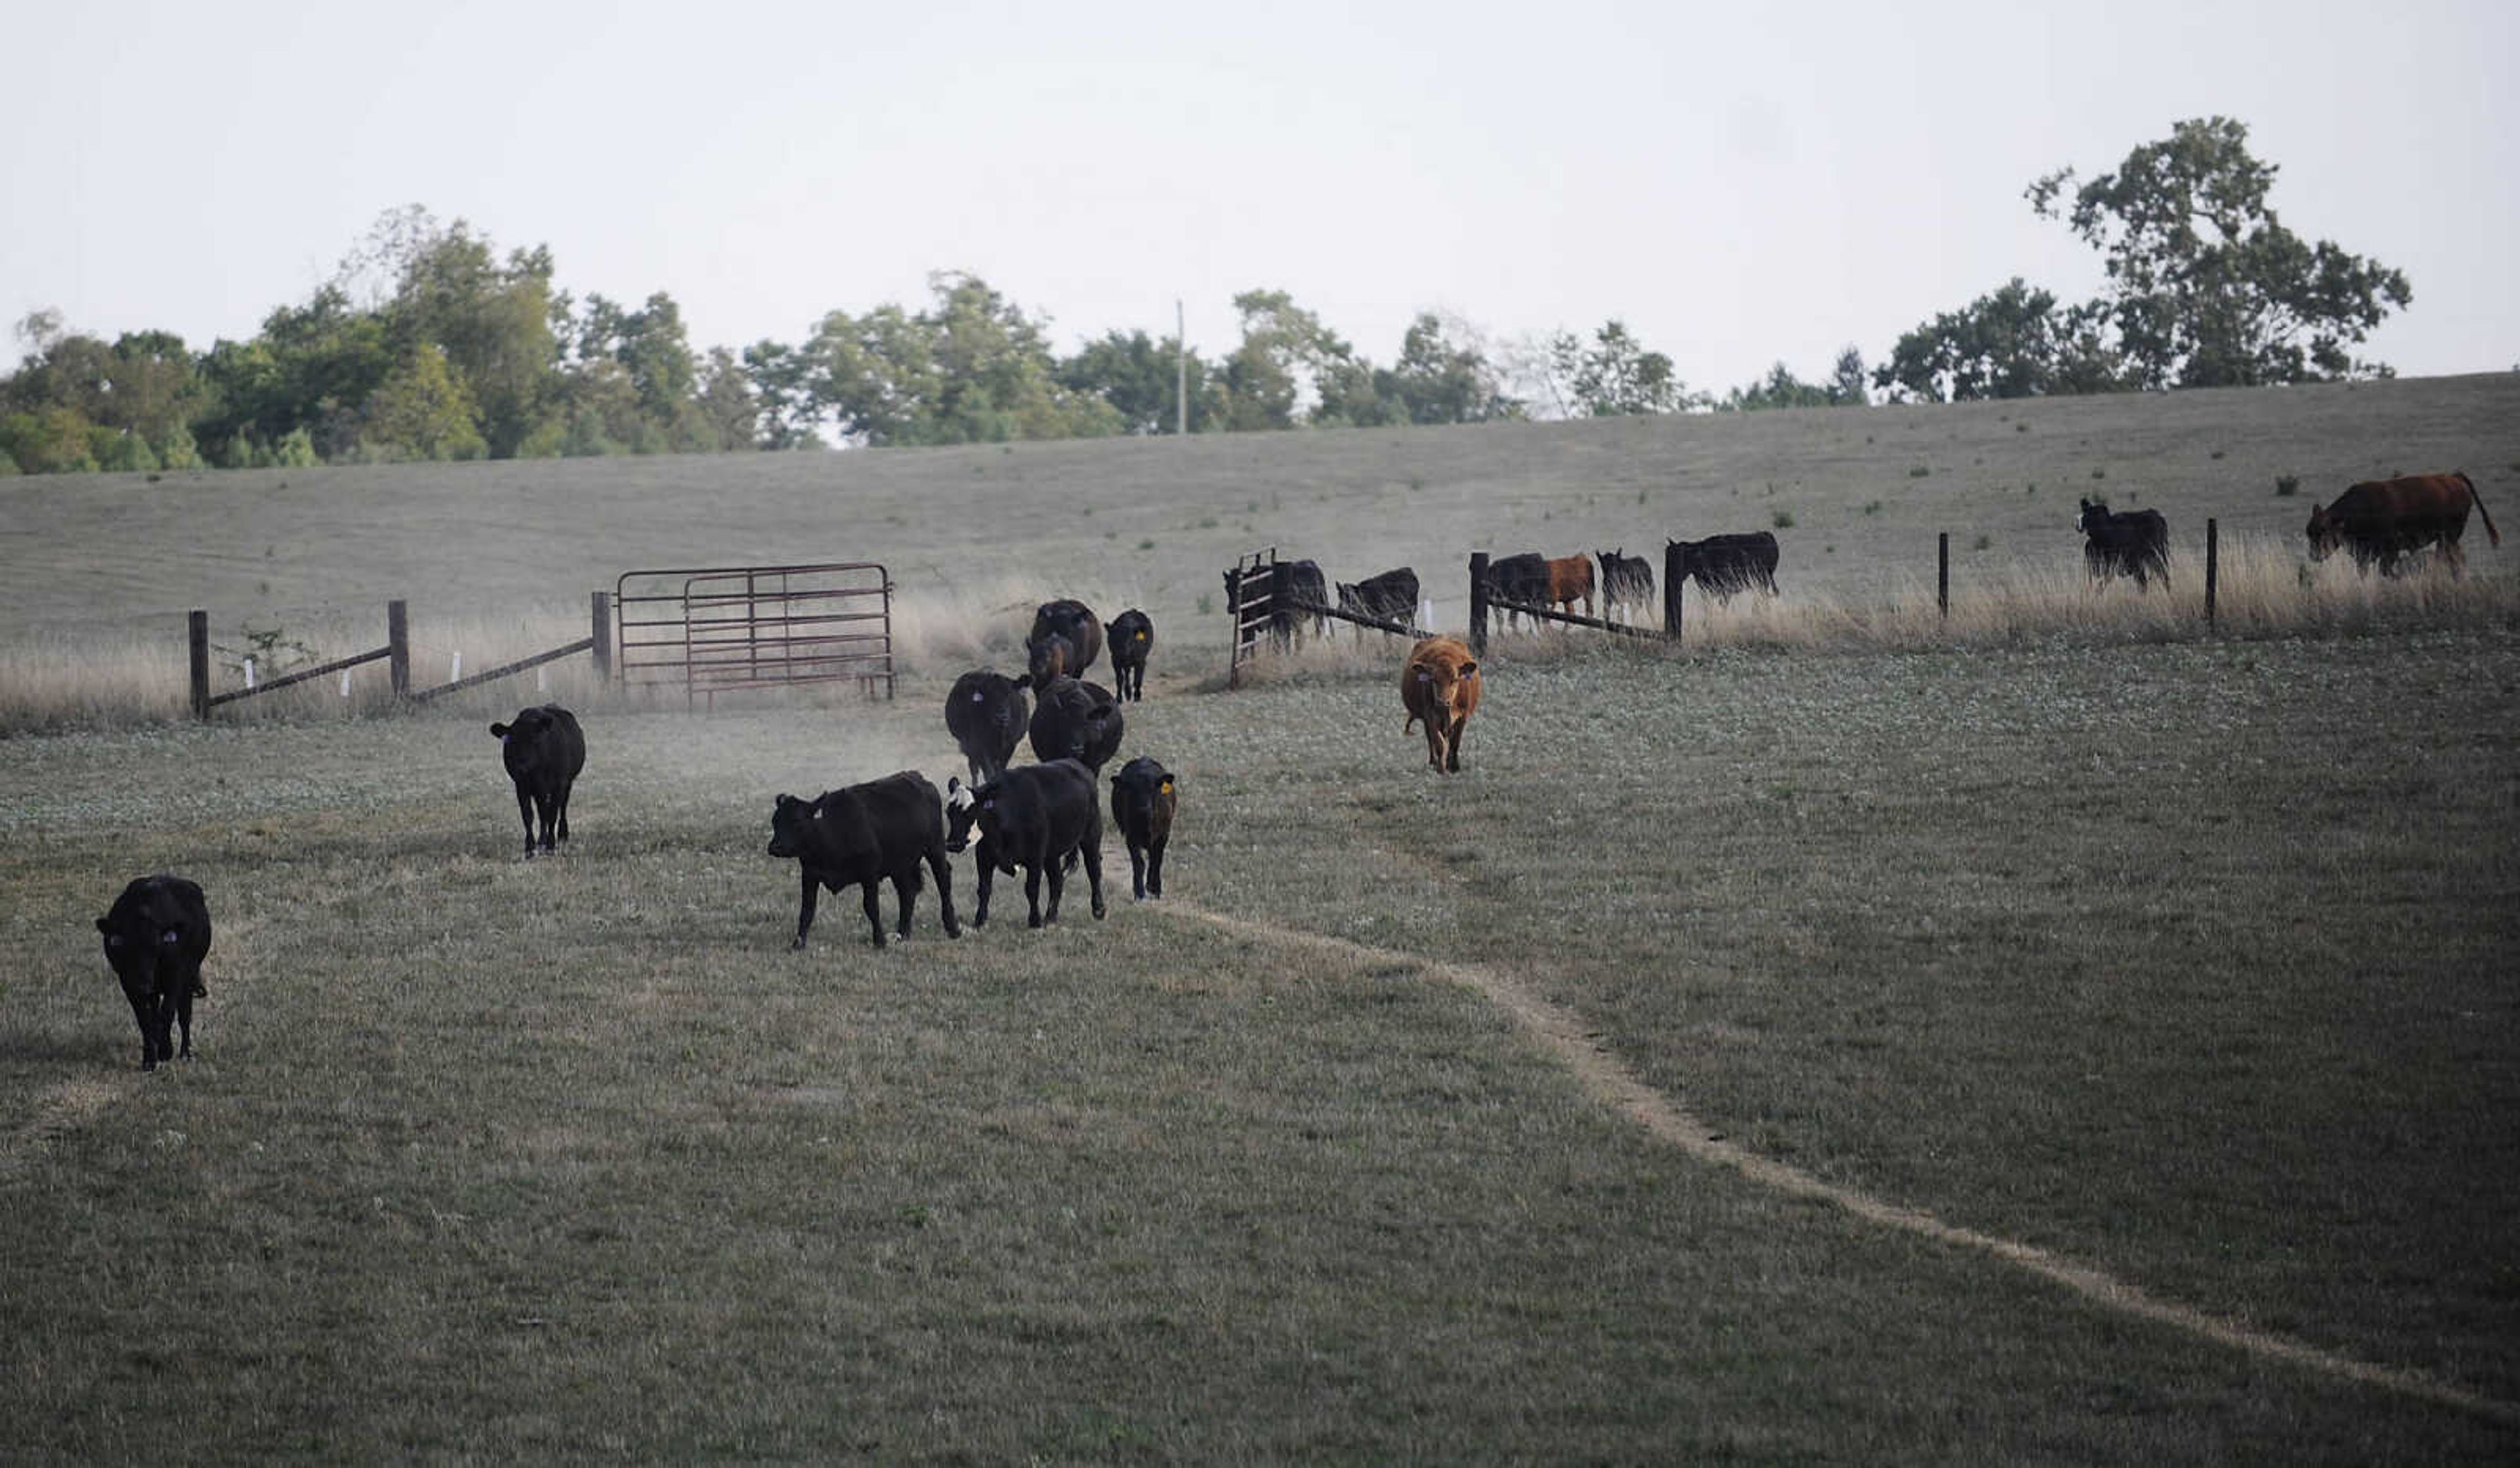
[(1469, 668), (105, 927), (498, 731)]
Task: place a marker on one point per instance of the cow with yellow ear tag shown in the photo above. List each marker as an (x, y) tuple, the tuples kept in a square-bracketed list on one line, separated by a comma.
[(1142, 806)]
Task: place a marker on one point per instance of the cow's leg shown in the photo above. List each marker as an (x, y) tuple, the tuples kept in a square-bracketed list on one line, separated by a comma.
[(1155, 867), (1435, 743), (870, 893), (562, 804), (989, 873), (183, 1002), (1137, 870), (1032, 892), (526, 812), (905, 887), (1453, 744), (943, 872), (805, 910), (1058, 886), (148, 1048), (1094, 867)]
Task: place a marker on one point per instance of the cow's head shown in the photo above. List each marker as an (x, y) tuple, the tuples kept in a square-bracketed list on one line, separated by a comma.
[(1442, 680), (2092, 514), (2326, 533), (788, 823), (965, 805), (135, 949), (1048, 656)]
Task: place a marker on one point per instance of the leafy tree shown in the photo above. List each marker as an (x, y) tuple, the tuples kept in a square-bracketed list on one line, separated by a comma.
[(1614, 375), (492, 322), (423, 411), (728, 405), (1780, 388), (973, 368), (1139, 377), (51, 440), (1442, 380), (1356, 394), (1846, 380), (2206, 288), (1284, 352), (2013, 343), (783, 395)]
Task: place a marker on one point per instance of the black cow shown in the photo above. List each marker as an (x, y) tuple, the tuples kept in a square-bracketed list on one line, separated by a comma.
[(2136, 542), (543, 750), (1723, 565), (1391, 596), (1299, 591), (1035, 816), (1627, 581), (1142, 807), (1076, 721), (864, 834), (155, 936), (986, 714), (1522, 578), (1133, 637), (1066, 638)]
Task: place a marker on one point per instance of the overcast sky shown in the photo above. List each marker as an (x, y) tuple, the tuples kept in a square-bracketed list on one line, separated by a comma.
[(1739, 183)]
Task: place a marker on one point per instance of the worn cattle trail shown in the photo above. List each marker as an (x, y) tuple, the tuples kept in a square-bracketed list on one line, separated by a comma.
[(1601, 1074)]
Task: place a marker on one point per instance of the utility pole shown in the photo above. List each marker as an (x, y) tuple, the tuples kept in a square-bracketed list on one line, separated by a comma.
[(1181, 371)]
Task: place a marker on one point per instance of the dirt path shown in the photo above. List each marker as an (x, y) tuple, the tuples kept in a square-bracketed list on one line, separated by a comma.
[(1563, 1033)]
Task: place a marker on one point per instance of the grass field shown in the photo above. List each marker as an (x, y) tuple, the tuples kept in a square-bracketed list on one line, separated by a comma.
[(2184, 959)]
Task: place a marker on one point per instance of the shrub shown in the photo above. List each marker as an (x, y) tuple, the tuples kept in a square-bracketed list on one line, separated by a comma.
[(2287, 485), (1918, 470), (1783, 519)]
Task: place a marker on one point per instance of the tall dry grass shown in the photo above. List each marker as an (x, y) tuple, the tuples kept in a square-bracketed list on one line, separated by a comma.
[(73, 679), (2263, 588), (91, 678)]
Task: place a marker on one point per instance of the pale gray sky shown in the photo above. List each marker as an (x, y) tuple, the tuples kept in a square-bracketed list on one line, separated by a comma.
[(1739, 183)]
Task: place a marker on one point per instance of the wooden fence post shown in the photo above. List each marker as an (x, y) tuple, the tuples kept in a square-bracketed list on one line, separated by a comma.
[(398, 646), (1943, 575), (197, 632), (2213, 567), (1479, 603), (1671, 600), (602, 610)]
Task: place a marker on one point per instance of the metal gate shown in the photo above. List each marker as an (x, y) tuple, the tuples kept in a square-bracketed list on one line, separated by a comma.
[(720, 630)]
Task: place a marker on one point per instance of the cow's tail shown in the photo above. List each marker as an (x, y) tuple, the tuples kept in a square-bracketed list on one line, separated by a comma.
[(2492, 536)]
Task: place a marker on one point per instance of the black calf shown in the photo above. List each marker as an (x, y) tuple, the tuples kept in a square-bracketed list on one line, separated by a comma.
[(543, 750), (155, 936), (1142, 807), (864, 834)]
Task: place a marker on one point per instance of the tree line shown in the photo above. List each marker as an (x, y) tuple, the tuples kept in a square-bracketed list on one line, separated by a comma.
[(427, 343)]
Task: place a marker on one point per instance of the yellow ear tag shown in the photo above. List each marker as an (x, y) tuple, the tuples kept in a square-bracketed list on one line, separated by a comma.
[(1168, 787)]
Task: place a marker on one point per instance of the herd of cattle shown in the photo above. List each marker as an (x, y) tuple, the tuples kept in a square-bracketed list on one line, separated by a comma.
[(1045, 818)]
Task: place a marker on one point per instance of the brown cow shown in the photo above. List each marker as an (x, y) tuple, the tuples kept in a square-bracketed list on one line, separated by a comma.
[(2382, 520), (1570, 580), (1441, 685)]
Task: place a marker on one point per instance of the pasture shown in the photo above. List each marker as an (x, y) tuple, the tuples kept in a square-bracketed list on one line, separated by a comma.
[(1684, 1080)]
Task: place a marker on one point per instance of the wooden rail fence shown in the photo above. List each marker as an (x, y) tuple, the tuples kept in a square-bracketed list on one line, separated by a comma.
[(1259, 605)]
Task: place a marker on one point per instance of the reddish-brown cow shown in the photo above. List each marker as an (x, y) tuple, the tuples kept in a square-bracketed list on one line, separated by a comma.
[(1570, 580), (2382, 520), (1440, 684)]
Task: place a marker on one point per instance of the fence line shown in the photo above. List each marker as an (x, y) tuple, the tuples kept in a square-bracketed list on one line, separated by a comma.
[(396, 654)]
